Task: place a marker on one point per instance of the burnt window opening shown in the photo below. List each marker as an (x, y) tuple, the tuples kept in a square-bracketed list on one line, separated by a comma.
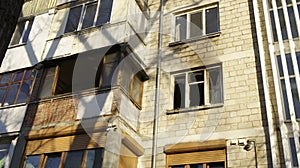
[(199, 87), (93, 70)]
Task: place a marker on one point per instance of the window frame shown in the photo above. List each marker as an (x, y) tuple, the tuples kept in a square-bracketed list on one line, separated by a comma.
[(4, 148), (141, 87), (84, 6), (24, 36), (188, 14), (20, 83), (282, 85), (54, 82), (63, 157), (283, 26), (187, 83), (99, 75)]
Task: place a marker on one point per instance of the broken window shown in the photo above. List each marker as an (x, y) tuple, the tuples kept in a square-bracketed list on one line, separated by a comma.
[(88, 15), (58, 77), (198, 87)]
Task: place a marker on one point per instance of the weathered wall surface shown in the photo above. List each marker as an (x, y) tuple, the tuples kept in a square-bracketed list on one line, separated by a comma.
[(241, 116)]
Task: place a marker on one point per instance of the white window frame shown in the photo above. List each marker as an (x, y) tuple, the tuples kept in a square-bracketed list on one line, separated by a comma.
[(188, 17), (205, 82), (83, 13), (23, 40)]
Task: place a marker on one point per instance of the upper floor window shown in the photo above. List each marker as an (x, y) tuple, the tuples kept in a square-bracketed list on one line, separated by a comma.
[(88, 15), (15, 87), (59, 77), (282, 22), (294, 88), (198, 87), (197, 23), (21, 32)]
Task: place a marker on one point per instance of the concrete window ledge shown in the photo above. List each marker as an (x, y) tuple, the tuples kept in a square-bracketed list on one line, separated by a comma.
[(193, 109)]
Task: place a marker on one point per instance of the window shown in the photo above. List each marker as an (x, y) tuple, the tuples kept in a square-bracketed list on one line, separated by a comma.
[(202, 165), (136, 89), (58, 78), (4, 147), (293, 152), (16, 87), (88, 15), (197, 155), (132, 79), (283, 27), (91, 158), (22, 31), (32, 161), (197, 23), (294, 88), (198, 87)]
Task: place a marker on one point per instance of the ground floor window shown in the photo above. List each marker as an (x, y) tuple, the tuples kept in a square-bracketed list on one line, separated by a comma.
[(210, 154), (91, 158)]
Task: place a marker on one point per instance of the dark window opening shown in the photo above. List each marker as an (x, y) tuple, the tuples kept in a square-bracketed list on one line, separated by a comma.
[(22, 31), (198, 88), (89, 15)]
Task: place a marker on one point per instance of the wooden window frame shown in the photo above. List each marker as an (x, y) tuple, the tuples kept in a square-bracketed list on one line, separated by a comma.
[(141, 84), (44, 157), (101, 69), (54, 83), (20, 82), (189, 22)]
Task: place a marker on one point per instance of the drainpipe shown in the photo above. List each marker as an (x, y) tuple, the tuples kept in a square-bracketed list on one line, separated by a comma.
[(157, 86), (265, 83)]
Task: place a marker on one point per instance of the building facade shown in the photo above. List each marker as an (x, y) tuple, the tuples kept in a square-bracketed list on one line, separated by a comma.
[(78, 84)]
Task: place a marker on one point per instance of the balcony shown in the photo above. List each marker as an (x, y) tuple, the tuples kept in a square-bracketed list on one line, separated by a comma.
[(78, 27)]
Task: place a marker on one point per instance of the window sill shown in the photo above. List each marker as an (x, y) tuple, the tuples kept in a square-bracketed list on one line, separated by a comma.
[(12, 106), (211, 35), (192, 109), (16, 45), (87, 30), (287, 40)]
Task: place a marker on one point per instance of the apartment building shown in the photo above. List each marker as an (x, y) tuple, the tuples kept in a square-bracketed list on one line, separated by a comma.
[(78, 84)]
